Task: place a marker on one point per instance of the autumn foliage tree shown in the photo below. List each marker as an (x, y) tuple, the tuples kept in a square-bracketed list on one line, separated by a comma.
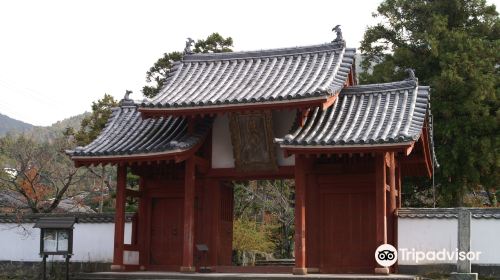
[(39, 175)]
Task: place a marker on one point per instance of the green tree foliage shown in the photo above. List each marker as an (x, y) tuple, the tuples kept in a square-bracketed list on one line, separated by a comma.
[(454, 47), (250, 239), (214, 43), (268, 203), (157, 74), (92, 125), (103, 177)]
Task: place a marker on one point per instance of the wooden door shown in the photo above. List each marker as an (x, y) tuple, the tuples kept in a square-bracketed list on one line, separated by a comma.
[(166, 232), (347, 221), (226, 225)]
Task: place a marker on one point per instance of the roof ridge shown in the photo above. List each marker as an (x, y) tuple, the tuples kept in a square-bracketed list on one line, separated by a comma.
[(390, 86), (331, 46)]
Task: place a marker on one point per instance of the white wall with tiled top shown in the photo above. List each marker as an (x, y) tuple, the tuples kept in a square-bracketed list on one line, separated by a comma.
[(92, 242), (434, 234)]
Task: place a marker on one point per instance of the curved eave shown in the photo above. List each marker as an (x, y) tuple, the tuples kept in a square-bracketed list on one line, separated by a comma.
[(225, 108), (177, 155), (420, 163), (403, 147)]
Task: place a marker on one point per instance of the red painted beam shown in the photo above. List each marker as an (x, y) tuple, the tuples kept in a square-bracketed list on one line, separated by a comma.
[(405, 148), (330, 101), (232, 173)]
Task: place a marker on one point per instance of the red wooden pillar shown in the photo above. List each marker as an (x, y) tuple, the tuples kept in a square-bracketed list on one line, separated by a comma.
[(391, 219), (121, 182), (141, 241), (380, 206), (392, 183), (300, 216), (189, 195), (397, 203), (398, 183)]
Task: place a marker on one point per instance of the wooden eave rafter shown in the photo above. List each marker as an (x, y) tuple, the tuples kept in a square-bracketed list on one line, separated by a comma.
[(305, 103), (405, 148), (424, 158)]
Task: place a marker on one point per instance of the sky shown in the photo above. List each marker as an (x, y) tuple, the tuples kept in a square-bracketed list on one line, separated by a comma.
[(56, 57)]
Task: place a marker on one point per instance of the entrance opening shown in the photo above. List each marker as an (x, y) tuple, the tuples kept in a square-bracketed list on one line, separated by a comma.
[(263, 223)]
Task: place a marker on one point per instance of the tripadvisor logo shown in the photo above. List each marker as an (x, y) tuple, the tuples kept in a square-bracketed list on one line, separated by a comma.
[(386, 255)]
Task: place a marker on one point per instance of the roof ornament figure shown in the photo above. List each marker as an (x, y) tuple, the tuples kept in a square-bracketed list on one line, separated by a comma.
[(189, 44), (126, 101), (127, 94), (339, 33), (411, 74)]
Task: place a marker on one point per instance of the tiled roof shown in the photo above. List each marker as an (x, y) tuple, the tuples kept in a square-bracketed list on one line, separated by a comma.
[(82, 218), (257, 76), (127, 133), (366, 115), (447, 213), (55, 222)]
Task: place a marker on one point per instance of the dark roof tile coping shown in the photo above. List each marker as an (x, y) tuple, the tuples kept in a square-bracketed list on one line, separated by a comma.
[(392, 86), (294, 51), (56, 222), (447, 213), (82, 217)]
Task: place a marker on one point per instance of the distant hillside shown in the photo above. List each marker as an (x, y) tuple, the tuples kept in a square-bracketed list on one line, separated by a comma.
[(39, 133), (8, 124)]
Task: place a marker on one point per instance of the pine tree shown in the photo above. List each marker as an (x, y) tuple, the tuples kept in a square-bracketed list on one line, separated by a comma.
[(157, 74), (453, 46)]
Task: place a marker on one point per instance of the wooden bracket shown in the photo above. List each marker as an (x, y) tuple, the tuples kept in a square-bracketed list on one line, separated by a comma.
[(202, 164), (329, 101)]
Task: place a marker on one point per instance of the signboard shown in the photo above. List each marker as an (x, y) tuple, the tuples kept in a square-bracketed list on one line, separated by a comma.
[(252, 138)]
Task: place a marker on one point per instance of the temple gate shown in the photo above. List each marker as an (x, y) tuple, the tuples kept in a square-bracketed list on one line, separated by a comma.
[(285, 113)]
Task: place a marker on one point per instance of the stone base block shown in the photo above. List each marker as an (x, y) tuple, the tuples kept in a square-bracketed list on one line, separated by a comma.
[(188, 269), (313, 270), (299, 271), (382, 270), (463, 276), (117, 267)]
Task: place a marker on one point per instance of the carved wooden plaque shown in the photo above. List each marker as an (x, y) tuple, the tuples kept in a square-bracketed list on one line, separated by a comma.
[(252, 138)]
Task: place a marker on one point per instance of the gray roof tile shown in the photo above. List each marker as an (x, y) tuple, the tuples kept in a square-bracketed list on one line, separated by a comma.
[(366, 115), (256, 76), (127, 133), (55, 222), (447, 213), (81, 217)]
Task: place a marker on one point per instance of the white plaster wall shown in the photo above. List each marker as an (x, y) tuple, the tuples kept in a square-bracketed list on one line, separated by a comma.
[(426, 235), (222, 148), (485, 238), (282, 123), (91, 242)]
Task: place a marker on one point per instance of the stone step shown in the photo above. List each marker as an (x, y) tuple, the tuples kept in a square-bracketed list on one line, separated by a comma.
[(232, 276)]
